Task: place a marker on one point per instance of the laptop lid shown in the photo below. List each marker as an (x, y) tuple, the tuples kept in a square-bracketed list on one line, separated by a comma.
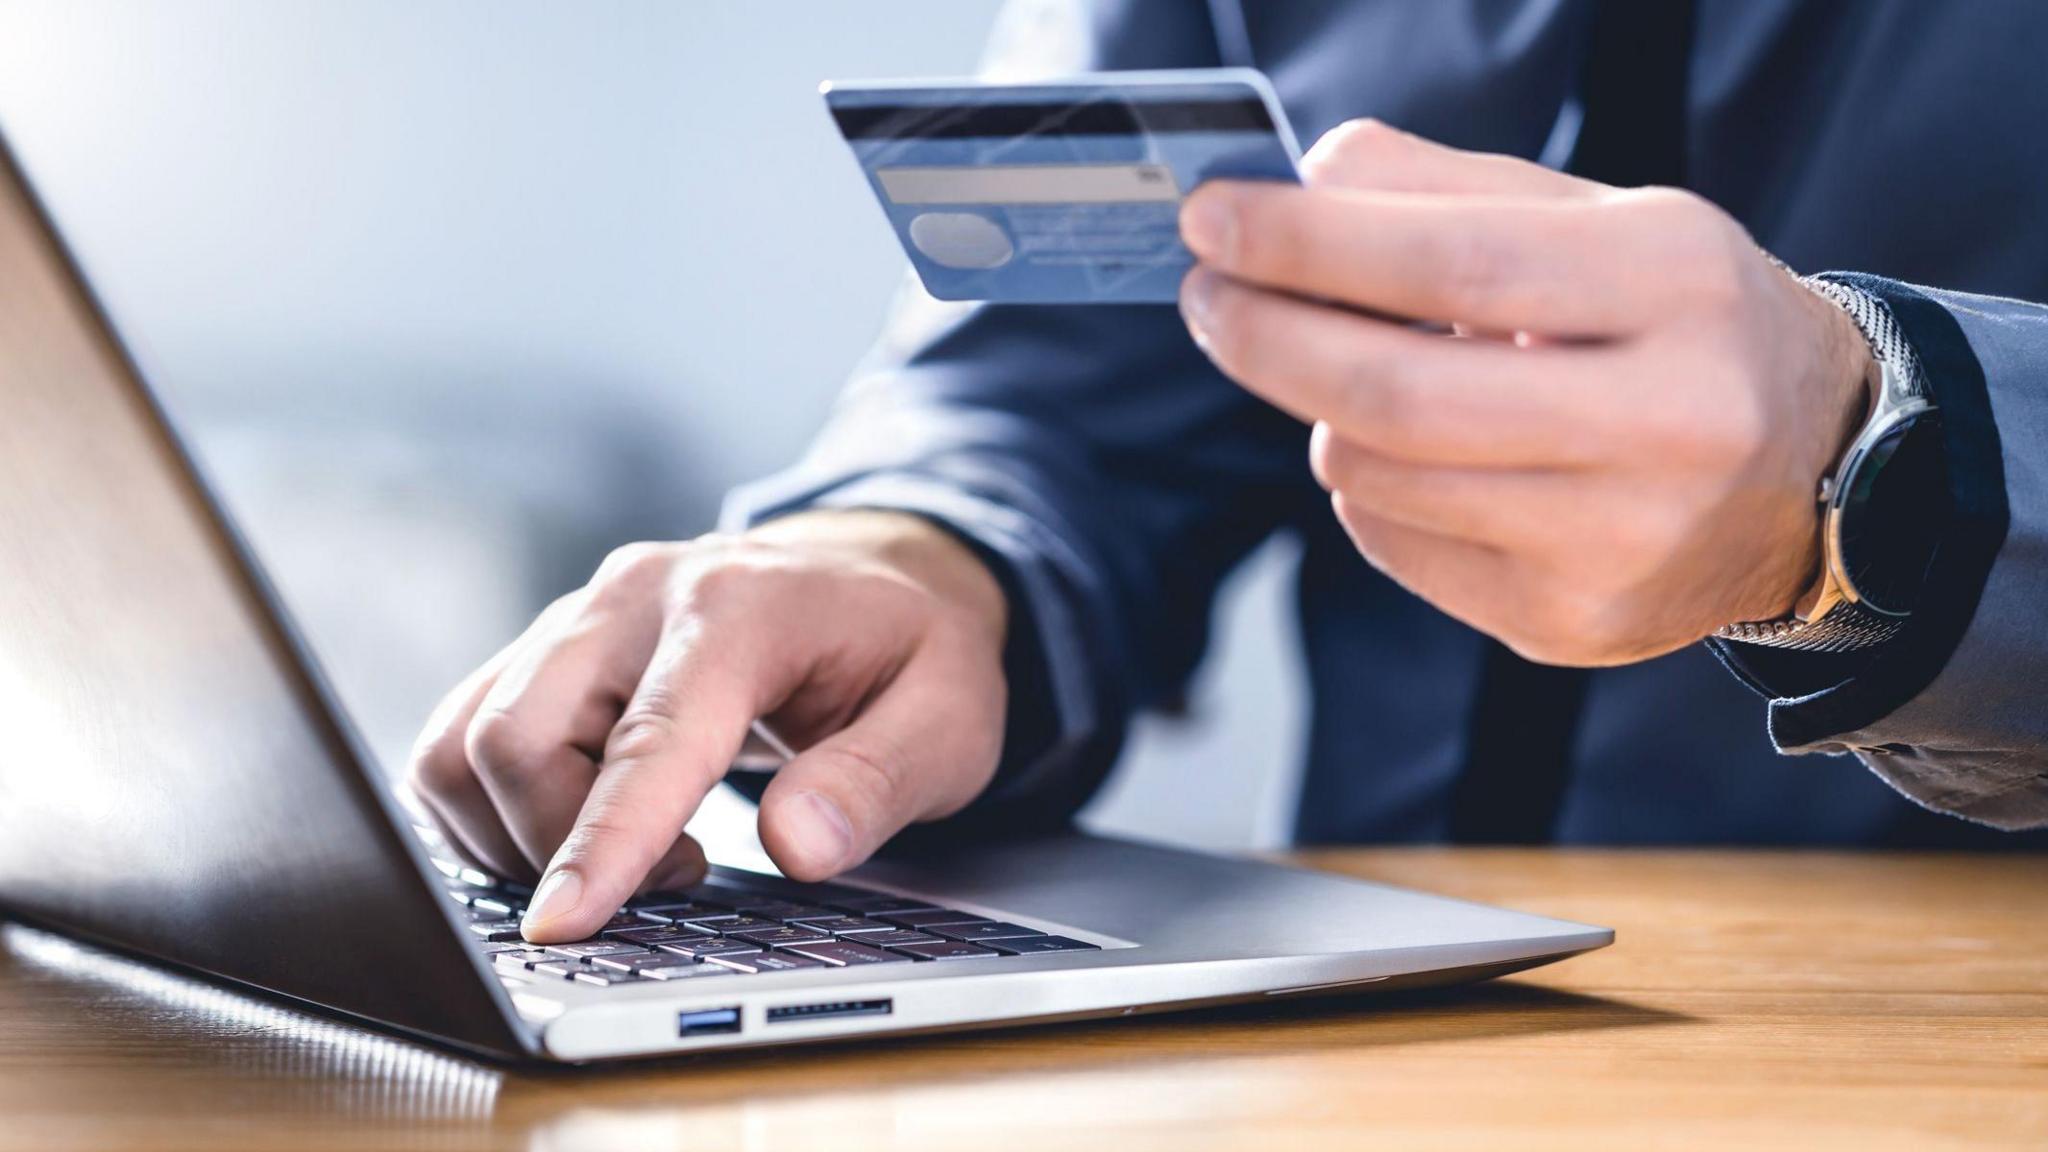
[(175, 780)]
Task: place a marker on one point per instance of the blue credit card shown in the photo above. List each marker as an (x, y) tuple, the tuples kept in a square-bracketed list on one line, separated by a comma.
[(1060, 192)]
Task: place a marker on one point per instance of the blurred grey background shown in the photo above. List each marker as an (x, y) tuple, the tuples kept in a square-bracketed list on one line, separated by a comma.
[(452, 298)]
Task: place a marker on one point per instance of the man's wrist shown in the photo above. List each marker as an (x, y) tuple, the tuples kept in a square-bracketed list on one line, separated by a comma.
[(1847, 603), (1846, 381), (1854, 385)]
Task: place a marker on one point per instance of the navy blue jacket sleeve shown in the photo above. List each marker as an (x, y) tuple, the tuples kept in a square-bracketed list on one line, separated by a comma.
[(1952, 711)]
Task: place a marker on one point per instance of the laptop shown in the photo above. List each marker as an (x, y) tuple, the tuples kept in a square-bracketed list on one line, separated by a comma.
[(179, 785)]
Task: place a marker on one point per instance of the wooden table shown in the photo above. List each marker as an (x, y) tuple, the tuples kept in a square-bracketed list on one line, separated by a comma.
[(1778, 999)]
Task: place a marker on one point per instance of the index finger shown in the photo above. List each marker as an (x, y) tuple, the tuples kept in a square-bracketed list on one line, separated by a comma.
[(1563, 267), (673, 744)]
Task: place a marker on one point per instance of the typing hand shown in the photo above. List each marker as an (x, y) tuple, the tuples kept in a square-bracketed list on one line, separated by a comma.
[(872, 641), (1617, 454)]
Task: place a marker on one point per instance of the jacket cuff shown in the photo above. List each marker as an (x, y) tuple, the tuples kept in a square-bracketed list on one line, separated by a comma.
[(1817, 699)]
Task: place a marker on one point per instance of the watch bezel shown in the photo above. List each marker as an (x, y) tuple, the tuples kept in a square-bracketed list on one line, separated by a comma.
[(1899, 412)]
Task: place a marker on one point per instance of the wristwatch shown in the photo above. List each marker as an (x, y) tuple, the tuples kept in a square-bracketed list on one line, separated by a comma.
[(1881, 508)]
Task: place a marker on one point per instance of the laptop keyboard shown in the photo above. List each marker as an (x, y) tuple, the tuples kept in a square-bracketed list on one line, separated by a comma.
[(736, 923)]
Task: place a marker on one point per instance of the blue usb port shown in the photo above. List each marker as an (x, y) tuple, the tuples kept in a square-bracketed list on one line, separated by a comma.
[(702, 1021)]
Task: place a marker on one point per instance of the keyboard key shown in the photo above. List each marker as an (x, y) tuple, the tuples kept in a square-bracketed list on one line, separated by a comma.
[(504, 909), (845, 925), (633, 961), (652, 937), (929, 917), (685, 970), (784, 910), (776, 887), (766, 962), (714, 896), (1033, 945), (703, 946), (643, 961), (780, 935), (814, 915), (891, 938), (945, 950), (592, 949), (601, 978), (474, 878), (520, 958), (557, 967), (490, 949), (670, 913), (844, 953), (876, 905), (496, 930), (726, 925), (993, 930)]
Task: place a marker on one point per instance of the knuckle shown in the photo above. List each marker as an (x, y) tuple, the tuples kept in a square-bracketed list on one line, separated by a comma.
[(436, 770), (564, 606), (723, 581), (630, 561), (642, 733), (872, 770), (1704, 249), (500, 744), (1347, 148), (628, 576)]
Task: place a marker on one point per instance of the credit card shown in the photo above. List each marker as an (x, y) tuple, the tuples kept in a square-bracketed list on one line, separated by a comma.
[(1058, 192)]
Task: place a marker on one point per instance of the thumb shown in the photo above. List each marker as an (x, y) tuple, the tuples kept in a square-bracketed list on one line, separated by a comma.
[(924, 748)]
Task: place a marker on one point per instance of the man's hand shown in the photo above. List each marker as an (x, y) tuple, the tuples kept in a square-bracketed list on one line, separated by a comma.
[(873, 641), (1618, 451)]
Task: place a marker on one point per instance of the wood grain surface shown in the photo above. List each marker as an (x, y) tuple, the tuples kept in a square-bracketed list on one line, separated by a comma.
[(1769, 999)]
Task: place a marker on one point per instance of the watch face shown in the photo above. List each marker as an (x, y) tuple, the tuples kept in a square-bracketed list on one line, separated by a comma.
[(1892, 512)]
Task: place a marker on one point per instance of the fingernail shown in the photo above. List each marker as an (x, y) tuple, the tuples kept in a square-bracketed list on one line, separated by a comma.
[(556, 897), (1195, 294), (1208, 224), (822, 829)]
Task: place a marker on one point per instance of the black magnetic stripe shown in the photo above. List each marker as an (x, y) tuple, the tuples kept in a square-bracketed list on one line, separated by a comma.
[(1978, 517), (1119, 117)]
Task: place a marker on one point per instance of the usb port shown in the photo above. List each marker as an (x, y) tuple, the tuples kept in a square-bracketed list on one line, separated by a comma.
[(830, 1008), (701, 1021)]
